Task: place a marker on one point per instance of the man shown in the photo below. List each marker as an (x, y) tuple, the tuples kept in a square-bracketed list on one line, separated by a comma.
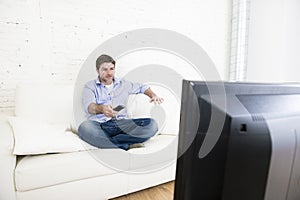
[(108, 127)]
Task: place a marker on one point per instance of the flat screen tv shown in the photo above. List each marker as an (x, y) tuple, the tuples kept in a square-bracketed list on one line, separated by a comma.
[(238, 141)]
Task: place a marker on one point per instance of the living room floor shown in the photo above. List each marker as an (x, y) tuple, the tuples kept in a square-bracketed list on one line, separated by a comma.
[(160, 192)]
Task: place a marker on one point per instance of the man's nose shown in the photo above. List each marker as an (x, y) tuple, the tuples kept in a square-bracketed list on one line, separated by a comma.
[(110, 72)]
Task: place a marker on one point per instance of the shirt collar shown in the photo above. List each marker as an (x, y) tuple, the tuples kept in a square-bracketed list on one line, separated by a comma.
[(116, 81)]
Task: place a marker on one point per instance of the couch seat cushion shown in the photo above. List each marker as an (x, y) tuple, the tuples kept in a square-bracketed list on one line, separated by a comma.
[(38, 171)]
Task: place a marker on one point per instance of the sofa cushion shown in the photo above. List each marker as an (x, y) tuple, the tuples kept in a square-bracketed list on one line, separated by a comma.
[(166, 114), (39, 171), (38, 137), (49, 102)]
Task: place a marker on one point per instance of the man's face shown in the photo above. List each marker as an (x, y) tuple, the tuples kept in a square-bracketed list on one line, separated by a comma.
[(106, 72)]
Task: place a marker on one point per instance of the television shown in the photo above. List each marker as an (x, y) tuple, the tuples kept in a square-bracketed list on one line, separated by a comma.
[(238, 141)]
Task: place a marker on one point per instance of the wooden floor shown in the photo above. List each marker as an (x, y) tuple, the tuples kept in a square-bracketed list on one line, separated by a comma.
[(160, 192)]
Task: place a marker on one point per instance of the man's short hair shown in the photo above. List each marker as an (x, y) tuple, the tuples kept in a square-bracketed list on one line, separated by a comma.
[(104, 59)]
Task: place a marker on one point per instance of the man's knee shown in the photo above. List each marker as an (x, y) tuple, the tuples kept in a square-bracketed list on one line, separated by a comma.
[(153, 127), (85, 127)]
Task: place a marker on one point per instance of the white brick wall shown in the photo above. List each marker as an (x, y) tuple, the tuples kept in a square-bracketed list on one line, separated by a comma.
[(49, 40)]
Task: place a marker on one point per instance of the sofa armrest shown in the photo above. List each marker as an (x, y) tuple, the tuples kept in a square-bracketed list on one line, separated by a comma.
[(7, 161)]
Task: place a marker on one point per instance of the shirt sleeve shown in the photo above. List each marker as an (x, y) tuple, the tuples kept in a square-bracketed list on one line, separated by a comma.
[(138, 88), (88, 96)]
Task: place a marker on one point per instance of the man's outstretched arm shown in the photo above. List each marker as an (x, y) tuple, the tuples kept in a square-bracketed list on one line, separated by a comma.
[(107, 110), (153, 97)]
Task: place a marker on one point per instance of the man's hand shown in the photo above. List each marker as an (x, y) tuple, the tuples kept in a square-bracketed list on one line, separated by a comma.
[(153, 97), (156, 100), (108, 111)]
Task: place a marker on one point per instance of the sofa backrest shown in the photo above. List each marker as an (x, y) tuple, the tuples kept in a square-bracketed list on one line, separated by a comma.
[(52, 103)]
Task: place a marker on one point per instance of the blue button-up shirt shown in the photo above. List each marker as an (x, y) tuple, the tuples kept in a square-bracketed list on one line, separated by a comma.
[(96, 92)]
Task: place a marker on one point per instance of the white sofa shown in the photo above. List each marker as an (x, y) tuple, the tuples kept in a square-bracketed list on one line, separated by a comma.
[(41, 158)]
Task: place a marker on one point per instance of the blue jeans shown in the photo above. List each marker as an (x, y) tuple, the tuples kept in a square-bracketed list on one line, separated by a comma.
[(117, 133)]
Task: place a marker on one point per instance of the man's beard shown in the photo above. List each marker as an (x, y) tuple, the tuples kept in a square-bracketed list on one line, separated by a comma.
[(106, 80)]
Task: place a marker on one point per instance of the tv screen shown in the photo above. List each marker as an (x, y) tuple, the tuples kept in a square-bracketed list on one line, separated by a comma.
[(238, 141)]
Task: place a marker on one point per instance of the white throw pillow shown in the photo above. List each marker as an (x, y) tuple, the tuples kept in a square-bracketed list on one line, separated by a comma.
[(38, 137), (166, 114), (47, 101)]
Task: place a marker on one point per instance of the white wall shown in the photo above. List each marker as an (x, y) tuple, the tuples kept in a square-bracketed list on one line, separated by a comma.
[(274, 42), (49, 40)]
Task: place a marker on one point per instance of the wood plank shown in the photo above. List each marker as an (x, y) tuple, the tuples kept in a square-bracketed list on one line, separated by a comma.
[(160, 192)]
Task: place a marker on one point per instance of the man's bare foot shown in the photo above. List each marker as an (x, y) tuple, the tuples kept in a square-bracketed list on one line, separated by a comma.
[(136, 145)]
